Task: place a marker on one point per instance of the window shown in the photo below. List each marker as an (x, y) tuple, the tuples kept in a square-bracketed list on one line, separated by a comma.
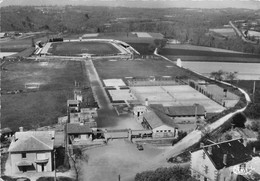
[(23, 155), (203, 155), (165, 130), (206, 169), (169, 130), (242, 166), (157, 131)]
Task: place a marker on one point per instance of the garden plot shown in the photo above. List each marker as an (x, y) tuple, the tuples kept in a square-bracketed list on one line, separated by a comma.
[(179, 95)]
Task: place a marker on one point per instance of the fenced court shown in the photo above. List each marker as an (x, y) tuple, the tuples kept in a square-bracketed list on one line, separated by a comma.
[(152, 81), (218, 94), (113, 82), (177, 95), (118, 95)]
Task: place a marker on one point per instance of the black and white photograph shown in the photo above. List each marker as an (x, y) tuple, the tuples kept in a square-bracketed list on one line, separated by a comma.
[(130, 90)]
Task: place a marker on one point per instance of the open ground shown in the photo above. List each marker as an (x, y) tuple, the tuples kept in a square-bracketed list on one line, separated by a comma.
[(139, 68), (32, 108), (207, 54), (118, 157)]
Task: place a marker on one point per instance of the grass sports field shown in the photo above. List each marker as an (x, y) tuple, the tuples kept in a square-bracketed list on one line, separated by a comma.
[(85, 47), (139, 68), (38, 107)]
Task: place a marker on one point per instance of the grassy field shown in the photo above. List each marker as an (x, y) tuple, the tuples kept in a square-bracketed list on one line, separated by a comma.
[(192, 52), (226, 32), (18, 45), (76, 48), (139, 68), (32, 109)]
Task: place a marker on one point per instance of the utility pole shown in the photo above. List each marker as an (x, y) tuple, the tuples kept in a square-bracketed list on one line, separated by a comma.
[(254, 92), (54, 164)]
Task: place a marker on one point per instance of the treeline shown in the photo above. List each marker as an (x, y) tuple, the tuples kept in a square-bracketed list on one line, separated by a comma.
[(187, 26)]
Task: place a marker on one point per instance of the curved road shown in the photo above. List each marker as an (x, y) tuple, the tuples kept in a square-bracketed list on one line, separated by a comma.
[(196, 135)]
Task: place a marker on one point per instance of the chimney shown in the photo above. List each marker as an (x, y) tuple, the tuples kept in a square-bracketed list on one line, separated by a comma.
[(146, 102), (201, 145), (245, 142), (21, 129), (210, 150), (225, 159)]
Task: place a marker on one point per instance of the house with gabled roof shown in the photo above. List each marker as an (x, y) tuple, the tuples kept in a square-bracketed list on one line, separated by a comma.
[(160, 124), (79, 133), (222, 161), (32, 151)]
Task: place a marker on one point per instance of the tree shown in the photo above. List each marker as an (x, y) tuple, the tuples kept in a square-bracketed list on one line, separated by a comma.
[(231, 76), (239, 120), (33, 43), (86, 16), (228, 137), (78, 157), (217, 75), (171, 174)]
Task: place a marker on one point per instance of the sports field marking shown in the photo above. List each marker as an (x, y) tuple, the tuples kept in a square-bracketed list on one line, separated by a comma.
[(113, 82), (179, 95), (118, 95)]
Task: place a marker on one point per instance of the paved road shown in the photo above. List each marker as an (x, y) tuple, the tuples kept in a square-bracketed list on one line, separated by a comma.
[(195, 136), (107, 116), (240, 34)]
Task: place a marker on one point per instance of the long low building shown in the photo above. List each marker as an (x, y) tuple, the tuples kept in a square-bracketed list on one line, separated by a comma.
[(160, 124)]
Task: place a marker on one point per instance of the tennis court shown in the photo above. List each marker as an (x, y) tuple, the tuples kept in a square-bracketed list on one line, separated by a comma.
[(178, 95)]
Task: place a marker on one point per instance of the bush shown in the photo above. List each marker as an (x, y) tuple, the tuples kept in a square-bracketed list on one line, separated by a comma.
[(172, 173), (228, 137), (239, 120), (252, 111)]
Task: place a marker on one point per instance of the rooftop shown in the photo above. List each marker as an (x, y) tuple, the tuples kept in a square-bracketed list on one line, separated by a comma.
[(72, 102), (175, 111), (75, 128), (32, 141), (5, 130), (236, 151), (156, 119)]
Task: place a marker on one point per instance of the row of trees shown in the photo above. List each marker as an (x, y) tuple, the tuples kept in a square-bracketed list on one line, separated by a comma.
[(222, 75)]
